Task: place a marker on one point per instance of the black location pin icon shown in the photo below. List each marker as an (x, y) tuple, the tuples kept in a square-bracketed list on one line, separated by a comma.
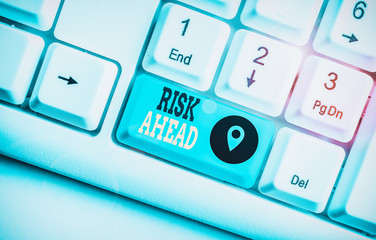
[(234, 139)]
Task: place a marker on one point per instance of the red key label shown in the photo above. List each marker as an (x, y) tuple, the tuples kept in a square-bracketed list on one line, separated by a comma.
[(328, 110)]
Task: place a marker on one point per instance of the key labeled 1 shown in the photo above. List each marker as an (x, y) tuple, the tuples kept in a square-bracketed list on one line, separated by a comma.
[(186, 46)]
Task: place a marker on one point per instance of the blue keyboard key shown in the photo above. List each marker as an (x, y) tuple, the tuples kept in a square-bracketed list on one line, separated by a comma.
[(194, 131)]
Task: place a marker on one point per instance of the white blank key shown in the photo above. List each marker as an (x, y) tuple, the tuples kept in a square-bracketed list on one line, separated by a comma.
[(301, 170), (186, 46), (290, 20), (222, 8), (73, 86), (354, 201), (35, 13), (19, 55)]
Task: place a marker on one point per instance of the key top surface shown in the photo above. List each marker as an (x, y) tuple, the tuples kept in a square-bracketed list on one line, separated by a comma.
[(194, 131), (19, 55), (73, 86), (109, 30), (290, 20), (222, 8), (39, 14), (329, 98), (258, 72), (347, 32), (355, 197), (301, 170), (186, 46)]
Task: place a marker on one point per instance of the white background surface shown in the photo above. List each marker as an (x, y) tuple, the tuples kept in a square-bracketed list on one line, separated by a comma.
[(37, 204)]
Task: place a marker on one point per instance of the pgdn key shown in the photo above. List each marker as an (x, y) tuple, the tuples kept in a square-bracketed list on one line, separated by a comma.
[(323, 109), (329, 98)]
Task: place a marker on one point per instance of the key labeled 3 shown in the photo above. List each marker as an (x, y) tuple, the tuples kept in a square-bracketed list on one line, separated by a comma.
[(329, 98), (186, 46)]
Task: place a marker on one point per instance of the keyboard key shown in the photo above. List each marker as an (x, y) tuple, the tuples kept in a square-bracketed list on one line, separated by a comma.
[(19, 55), (355, 197), (289, 20), (73, 86), (186, 46), (301, 170), (347, 32), (258, 72), (196, 132), (114, 30), (223, 8), (329, 98), (39, 14)]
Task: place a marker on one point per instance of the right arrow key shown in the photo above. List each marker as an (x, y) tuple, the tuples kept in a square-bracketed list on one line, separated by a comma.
[(347, 32), (73, 86), (351, 38)]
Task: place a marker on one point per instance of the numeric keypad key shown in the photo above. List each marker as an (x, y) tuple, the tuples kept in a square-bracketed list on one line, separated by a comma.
[(301, 170), (223, 8), (186, 46), (347, 32), (258, 72), (329, 98), (290, 20), (354, 200)]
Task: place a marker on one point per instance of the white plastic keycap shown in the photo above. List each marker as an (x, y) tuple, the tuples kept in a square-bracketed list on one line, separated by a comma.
[(258, 72), (39, 14), (19, 55), (329, 98), (290, 20), (223, 8), (186, 46), (301, 170), (73, 86), (347, 32), (355, 197)]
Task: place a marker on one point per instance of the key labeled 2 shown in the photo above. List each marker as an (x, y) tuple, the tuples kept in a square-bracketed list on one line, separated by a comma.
[(258, 72), (186, 46)]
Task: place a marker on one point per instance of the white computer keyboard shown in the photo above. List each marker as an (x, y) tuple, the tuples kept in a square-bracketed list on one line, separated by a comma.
[(257, 117)]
